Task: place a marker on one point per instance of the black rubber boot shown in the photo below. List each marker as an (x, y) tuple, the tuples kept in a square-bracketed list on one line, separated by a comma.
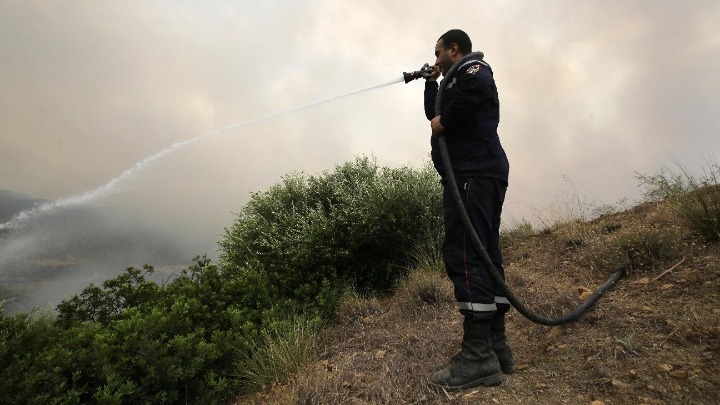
[(499, 344), (476, 364)]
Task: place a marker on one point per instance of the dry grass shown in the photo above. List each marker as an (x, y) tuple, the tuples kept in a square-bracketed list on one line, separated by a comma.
[(653, 339), (424, 287), (285, 349)]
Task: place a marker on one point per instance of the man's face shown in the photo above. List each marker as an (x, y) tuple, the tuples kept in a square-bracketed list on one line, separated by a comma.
[(444, 58)]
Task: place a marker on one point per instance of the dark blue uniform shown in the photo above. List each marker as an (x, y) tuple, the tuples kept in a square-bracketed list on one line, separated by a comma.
[(470, 114)]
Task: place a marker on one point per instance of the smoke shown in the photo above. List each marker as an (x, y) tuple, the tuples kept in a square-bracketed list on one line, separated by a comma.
[(53, 256), (107, 188), (31, 245), (590, 93)]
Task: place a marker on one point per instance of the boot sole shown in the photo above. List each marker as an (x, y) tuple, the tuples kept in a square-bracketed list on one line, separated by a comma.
[(493, 379)]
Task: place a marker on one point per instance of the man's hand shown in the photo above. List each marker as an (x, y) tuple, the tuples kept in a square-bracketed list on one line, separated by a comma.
[(434, 75), (437, 127)]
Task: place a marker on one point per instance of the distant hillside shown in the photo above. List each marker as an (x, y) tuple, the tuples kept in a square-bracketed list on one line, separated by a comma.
[(12, 203)]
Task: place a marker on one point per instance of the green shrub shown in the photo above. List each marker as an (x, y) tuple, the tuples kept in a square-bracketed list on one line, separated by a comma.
[(662, 185), (25, 339), (129, 289), (133, 341), (317, 236)]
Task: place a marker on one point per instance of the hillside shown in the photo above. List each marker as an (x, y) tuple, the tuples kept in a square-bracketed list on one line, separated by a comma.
[(653, 339)]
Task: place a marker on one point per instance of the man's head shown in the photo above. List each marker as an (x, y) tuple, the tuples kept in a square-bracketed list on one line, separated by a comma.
[(450, 48)]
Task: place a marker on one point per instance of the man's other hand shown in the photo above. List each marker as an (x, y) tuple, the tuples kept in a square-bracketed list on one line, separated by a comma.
[(436, 125)]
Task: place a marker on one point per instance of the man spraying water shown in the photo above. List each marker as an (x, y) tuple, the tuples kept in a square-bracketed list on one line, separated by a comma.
[(468, 119)]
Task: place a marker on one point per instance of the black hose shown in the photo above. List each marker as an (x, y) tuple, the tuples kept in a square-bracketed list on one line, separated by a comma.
[(477, 244)]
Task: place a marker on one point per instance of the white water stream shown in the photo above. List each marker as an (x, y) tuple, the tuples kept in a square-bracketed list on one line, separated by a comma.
[(107, 188)]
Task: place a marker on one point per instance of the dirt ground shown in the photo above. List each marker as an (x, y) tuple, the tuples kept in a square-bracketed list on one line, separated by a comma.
[(654, 338)]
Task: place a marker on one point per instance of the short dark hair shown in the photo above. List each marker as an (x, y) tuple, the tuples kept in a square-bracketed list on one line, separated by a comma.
[(458, 37)]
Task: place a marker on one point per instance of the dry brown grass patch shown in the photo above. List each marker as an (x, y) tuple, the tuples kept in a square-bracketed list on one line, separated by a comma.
[(425, 287)]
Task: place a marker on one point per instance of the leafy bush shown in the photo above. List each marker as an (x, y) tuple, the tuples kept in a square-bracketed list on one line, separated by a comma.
[(133, 341), (354, 228), (24, 341), (129, 289)]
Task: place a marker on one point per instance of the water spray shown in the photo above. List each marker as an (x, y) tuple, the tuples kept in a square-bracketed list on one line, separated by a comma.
[(109, 187)]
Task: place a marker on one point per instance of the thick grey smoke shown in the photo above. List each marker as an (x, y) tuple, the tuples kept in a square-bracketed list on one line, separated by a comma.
[(590, 94)]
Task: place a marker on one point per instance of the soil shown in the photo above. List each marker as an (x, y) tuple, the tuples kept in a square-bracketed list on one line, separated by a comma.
[(654, 338)]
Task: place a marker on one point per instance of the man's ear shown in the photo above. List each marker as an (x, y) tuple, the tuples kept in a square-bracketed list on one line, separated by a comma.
[(454, 49)]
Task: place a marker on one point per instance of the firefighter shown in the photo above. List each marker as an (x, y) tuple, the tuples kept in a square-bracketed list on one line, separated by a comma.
[(468, 119)]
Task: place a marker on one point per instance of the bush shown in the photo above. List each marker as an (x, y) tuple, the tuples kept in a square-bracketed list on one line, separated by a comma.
[(133, 341), (353, 228), (129, 289), (24, 342)]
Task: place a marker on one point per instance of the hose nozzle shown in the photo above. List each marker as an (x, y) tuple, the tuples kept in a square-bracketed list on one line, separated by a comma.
[(425, 71)]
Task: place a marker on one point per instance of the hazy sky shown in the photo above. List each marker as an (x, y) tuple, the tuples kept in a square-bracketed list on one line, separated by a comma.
[(591, 92)]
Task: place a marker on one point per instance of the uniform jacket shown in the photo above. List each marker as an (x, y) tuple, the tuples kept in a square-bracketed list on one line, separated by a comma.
[(470, 113)]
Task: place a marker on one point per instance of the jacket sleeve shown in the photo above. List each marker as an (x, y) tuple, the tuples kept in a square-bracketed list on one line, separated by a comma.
[(431, 89), (475, 85)]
